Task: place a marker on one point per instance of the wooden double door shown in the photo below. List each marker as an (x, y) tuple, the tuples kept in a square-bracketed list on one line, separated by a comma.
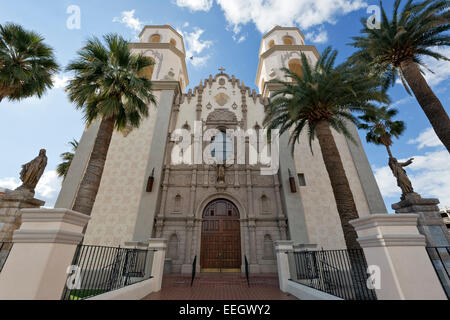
[(221, 238)]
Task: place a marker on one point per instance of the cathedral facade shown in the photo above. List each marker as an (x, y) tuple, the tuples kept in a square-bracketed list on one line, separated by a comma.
[(223, 214)]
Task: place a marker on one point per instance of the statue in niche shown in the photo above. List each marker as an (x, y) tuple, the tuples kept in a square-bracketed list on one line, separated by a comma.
[(31, 174), (221, 172)]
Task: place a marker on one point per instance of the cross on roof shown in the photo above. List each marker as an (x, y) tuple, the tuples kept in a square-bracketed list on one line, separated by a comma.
[(222, 69)]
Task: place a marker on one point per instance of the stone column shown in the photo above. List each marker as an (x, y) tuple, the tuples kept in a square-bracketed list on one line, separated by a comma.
[(430, 221), (281, 247), (393, 244), (10, 215), (43, 249), (159, 256)]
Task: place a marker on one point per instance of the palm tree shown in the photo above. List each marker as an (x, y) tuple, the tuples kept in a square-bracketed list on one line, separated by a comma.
[(108, 85), (67, 157), (27, 64), (381, 127), (324, 97), (398, 48)]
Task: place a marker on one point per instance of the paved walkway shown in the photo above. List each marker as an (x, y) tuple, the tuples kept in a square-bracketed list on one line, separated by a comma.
[(220, 286)]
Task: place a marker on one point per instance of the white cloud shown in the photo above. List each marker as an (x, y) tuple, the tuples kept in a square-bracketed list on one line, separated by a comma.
[(429, 172), (404, 100), (427, 138), (60, 81), (47, 188), (196, 5), (9, 183), (321, 36), (130, 21), (239, 39), (199, 61), (266, 14), (196, 46), (441, 68)]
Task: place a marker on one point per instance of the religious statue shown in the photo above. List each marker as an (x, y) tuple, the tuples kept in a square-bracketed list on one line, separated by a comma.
[(32, 172), (402, 179), (221, 173)]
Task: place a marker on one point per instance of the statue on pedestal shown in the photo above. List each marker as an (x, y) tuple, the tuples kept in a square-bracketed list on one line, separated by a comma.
[(402, 178), (31, 174)]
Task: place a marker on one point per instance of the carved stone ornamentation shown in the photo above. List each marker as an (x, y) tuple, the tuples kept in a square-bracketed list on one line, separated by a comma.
[(222, 99), (221, 116)]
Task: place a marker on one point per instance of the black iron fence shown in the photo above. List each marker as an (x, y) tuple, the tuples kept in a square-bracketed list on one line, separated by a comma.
[(5, 248), (96, 270), (341, 273), (440, 257)]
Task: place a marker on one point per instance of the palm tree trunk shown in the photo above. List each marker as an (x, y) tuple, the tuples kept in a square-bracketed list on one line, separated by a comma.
[(90, 184), (389, 151), (341, 188), (428, 101), (347, 211)]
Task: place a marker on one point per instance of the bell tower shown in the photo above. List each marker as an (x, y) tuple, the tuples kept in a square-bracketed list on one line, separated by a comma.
[(165, 46), (282, 48)]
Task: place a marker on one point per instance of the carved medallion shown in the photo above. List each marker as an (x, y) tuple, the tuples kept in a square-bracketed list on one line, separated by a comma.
[(222, 99)]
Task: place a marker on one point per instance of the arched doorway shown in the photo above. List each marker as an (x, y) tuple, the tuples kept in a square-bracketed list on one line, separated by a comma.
[(221, 238)]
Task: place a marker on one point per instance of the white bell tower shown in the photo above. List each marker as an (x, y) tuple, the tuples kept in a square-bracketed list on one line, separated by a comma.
[(165, 46), (281, 48)]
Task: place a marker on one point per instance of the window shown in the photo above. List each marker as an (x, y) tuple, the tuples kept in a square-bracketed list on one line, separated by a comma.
[(156, 38), (221, 147), (288, 40), (271, 43), (173, 42), (295, 66), (265, 205), (177, 203), (302, 180)]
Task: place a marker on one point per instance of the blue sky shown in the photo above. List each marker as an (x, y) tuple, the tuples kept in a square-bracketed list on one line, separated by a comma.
[(218, 33)]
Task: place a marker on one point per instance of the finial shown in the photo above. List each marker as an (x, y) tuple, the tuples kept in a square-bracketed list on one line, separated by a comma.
[(222, 70)]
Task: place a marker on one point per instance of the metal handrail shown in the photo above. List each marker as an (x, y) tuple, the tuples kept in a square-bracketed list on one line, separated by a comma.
[(128, 266), (247, 271), (440, 266), (194, 270), (324, 270), (8, 250)]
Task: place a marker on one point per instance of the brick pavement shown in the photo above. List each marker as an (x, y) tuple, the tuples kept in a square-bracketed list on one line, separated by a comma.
[(220, 286)]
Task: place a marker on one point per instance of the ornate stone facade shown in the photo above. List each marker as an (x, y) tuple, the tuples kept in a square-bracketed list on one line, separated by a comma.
[(175, 209)]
